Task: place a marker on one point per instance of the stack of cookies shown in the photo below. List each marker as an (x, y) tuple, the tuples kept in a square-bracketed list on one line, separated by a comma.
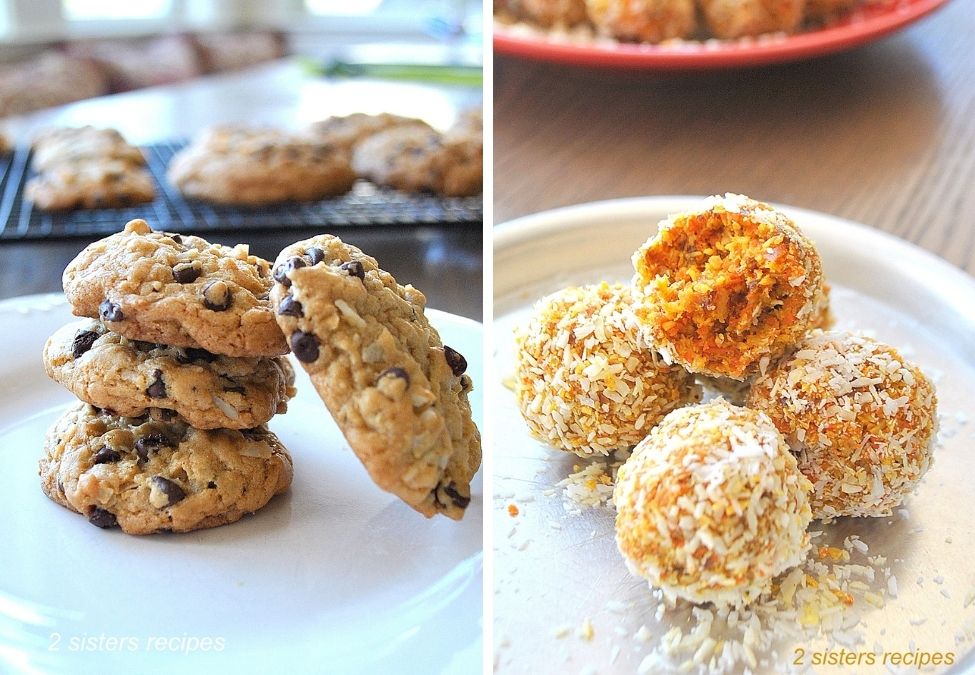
[(179, 366), (396, 391), (87, 168)]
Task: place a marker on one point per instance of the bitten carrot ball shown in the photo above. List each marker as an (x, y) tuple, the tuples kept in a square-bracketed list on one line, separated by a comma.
[(861, 419), (720, 289), (643, 20), (736, 391), (711, 506), (585, 380), (729, 19)]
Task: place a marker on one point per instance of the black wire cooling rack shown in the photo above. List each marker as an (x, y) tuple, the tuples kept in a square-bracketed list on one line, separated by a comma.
[(366, 206)]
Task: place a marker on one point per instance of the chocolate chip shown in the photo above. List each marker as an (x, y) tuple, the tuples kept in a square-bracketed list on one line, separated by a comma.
[(102, 518), (158, 388), (395, 372), (217, 296), (282, 271), (162, 414), (290, 307), (263, 152), (315, 255), (457, 498), (187, 272), (109, 311), (82, 342), (254, 434), (211, 485), (174, 493), (305, 346), (190, 354), (456, 361), (175, 237), (106, 455), (149, 443), (354, 268)]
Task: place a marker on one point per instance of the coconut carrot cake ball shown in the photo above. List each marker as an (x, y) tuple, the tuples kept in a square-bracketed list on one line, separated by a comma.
[(860, 418), (643, 20), (719, 289), (826, 10), (711, 506), (728, 19), (585, 380), (549, 12)]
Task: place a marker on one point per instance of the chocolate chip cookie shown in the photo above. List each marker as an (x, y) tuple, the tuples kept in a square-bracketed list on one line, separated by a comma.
[(253, 166), (94, 184), (417, 159), (133, 378), (397, 393), (148, 476), (68, 145), (350, 130), (176, 290)]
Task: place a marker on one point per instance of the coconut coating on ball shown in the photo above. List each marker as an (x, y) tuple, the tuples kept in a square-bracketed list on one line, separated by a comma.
[(861, 419), (585, 380), (643, 20), (724, 287), (729, 19), (711, 505)]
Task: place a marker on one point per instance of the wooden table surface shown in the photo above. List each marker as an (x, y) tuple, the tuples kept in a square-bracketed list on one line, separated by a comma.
[(444, 262), (883, 135)]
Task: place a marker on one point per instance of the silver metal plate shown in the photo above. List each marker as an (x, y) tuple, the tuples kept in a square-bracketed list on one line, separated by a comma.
[(555, 571)]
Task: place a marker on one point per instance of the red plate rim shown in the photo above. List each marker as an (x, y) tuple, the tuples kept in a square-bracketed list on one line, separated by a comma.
[(864, 25)]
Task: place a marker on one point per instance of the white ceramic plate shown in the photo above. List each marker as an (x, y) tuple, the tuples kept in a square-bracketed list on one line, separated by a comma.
[(334, 576), (557, 570)]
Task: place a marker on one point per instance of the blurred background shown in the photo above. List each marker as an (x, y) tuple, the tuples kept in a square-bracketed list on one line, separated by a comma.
[(161, 71), (882, 134)]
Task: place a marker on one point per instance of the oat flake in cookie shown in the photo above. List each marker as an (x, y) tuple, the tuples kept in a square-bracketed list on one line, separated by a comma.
[(131, 378), (147, 476), (176, 290), (397, 393)]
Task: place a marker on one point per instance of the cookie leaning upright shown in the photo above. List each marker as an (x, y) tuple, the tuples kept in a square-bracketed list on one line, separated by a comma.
[(176, 290), (397, 393)]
